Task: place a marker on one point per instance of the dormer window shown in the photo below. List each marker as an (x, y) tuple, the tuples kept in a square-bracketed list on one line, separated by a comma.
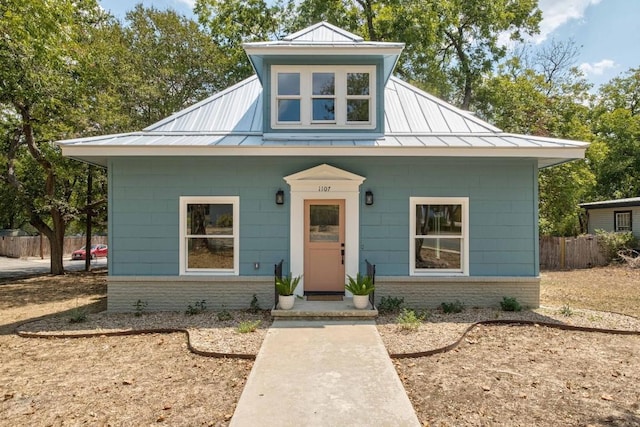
[(327, 97)]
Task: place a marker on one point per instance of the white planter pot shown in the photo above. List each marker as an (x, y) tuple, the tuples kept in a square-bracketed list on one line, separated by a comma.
[(286, 301), (361, 301)]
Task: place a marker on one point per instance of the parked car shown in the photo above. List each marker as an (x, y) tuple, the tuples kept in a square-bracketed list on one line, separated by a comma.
[(97, 251)]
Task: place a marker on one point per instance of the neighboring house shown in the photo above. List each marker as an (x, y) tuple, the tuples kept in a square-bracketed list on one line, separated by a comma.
[(614, 215), (324, 160)]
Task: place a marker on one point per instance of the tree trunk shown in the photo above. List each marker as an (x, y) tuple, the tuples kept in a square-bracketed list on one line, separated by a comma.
[(55, 233)]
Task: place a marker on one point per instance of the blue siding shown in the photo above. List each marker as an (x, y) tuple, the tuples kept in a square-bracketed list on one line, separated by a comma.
[(144, 205)]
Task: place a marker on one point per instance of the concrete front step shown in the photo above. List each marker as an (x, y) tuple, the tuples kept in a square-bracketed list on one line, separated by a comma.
[(303, 309)]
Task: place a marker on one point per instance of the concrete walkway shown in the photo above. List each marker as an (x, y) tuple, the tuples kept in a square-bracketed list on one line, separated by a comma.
[(323, 373)]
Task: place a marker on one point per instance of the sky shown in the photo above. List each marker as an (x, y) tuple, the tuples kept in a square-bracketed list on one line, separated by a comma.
[(606, 31)]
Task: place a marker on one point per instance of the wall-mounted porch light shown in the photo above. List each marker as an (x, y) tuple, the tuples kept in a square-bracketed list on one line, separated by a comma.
[(368, 198), (280, 197)]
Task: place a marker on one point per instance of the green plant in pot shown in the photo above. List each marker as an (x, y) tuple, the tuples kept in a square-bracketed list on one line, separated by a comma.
[(285, 286), (360, 286)]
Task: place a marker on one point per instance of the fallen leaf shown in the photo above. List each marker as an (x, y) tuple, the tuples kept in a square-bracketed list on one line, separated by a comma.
[(606, 397), (127, 382), (486, 388)]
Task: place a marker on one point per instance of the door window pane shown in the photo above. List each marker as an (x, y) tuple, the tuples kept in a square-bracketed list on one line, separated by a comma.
[(324, 223)]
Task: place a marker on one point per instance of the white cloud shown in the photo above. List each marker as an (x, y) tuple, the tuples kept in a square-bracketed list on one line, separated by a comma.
[(190, 3), (556, 13), (598, 68)]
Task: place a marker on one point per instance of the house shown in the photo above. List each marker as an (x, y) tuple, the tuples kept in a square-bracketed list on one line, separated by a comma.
[(325, 160), (614, 215)]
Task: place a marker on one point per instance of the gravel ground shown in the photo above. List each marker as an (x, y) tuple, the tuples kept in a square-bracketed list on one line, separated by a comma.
[(498, 375)]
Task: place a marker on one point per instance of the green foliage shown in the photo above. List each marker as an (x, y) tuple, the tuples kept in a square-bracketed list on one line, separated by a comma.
[(390, 305), (361, 285), (248, 326), (225, 220), (254, 306), (510, 304), (78, 315), (616, 124), (224, 315), (452, 307), (139, 308), (408, 320), (286, 285), (566, 311), (197, 308), (612, 242)]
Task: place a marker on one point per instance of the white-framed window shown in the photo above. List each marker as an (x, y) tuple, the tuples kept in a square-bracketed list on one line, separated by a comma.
[(622, 221), (209, 235), (439, 240), (327, 97)]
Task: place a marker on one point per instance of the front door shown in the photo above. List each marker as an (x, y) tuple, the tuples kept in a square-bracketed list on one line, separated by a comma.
[(324, 248)]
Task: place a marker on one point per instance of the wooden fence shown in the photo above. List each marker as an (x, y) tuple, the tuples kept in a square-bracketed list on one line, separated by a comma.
[(35, 246), (563, 253)]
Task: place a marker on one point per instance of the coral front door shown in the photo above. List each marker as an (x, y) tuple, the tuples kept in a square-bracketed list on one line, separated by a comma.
[(324, 249)]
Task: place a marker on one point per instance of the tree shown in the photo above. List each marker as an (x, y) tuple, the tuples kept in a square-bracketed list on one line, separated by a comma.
[(616, 123), (38, 50), (539, 102), (170, 63), (233, 22)]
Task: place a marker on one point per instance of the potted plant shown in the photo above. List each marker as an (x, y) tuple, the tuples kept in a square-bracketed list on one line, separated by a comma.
[(285, 287), (360, 287)]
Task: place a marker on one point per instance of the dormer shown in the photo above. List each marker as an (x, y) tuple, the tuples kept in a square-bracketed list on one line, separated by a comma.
[(323, 80)]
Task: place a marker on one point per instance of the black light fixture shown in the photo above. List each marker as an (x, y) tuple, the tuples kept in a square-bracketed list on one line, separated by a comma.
[(280, 197), (368, 198)]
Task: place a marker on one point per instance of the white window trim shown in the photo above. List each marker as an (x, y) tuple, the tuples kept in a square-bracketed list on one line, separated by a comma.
[(628, 216), (306, 95), (464, 202), (187, 200)]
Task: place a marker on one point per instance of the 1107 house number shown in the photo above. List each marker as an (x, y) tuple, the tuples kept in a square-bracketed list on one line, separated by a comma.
[(324, 188)]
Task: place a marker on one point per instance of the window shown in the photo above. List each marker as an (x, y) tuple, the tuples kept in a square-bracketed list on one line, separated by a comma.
[(439, 236), (622, 221), (340, 97), (209, 235)]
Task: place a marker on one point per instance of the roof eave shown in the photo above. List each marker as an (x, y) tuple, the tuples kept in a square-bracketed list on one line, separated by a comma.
[(546, 156)]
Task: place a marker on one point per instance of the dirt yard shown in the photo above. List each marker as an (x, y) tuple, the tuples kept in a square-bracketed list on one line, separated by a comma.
[(499, 375)]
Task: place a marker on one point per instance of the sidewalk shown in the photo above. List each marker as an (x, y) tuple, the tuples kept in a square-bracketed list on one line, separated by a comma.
[(323, 373)]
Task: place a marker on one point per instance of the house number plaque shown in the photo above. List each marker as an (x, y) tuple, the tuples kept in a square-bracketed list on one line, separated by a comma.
[(324, 188)]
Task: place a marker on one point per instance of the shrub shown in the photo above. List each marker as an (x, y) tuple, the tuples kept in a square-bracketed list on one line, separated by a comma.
[(248, 326), (197, 308), (224, 315), (510, 304), (566, 311), (390, 305), (613, 242), (286, 285), (452, 307), (360, 285), (78, 315), (408, 320), (254, 306), (139, 307)]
